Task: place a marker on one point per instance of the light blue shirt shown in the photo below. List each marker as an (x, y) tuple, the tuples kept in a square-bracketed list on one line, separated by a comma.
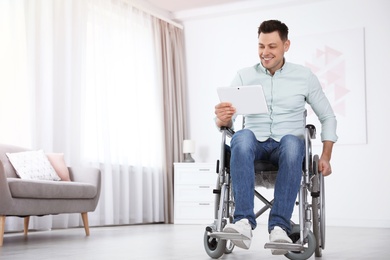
[(286, 93)]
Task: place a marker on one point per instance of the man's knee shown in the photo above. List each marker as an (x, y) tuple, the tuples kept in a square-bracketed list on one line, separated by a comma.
[(243, 139), (293, 145)]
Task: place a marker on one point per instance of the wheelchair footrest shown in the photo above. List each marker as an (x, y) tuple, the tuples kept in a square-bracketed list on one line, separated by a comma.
[(286, 246), (228, 236)]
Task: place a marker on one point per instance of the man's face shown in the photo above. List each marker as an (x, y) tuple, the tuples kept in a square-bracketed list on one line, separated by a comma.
[(271, 51)]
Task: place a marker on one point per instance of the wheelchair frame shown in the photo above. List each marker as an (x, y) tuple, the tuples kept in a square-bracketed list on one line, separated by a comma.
[(217, 243)]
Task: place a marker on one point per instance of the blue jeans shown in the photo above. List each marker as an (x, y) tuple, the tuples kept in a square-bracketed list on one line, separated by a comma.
[(288, 155)]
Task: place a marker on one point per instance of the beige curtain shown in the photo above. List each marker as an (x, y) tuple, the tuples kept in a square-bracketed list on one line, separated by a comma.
[(170, 40)]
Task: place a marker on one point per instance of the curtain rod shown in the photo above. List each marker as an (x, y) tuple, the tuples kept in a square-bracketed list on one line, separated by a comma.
[(142, 8)]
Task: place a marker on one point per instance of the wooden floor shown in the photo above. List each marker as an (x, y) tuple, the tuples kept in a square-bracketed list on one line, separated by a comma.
[(181, 242)]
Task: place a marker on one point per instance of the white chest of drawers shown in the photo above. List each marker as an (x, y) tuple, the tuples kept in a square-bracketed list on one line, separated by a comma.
[(193, 192)]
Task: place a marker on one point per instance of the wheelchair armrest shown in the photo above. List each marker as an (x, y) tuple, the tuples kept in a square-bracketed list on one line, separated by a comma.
[(312, 131), (230, 132)]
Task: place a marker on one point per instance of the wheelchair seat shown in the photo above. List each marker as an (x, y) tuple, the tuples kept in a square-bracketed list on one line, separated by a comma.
[(265, 174)]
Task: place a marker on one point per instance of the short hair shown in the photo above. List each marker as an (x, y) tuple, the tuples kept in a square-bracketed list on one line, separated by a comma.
[(272, 26)]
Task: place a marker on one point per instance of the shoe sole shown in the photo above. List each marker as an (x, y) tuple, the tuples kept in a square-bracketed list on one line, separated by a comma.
[(238, 243)]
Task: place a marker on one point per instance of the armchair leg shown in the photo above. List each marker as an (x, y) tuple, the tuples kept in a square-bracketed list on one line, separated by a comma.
[(26, 223), (2, 227), (84, 216)]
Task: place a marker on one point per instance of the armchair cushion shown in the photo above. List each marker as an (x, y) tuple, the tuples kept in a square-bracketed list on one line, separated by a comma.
[(42, 189), (33, 165)]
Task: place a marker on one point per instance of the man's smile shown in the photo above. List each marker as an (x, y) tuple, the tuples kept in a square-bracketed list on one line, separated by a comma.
[(267, 58)]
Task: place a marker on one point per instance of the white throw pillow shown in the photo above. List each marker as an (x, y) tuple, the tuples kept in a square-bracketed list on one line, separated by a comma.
[(33, 165)]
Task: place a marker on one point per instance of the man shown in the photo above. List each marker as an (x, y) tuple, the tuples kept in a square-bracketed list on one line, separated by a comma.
[(277, 136)]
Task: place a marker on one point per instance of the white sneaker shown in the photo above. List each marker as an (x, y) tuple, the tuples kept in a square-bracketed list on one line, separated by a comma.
[(278, 235), (242, 227)]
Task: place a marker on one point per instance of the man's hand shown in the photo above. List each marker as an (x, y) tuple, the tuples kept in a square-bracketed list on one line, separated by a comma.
[(324, 163), (324, 167), (224, 112)]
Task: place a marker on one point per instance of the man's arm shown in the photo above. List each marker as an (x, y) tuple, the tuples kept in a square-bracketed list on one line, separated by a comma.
[(324, 163)]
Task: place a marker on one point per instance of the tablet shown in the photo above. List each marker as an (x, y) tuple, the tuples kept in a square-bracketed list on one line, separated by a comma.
[(246, 99)]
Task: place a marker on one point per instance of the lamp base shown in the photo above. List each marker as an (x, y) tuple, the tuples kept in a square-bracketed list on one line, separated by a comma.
[(188, 158)]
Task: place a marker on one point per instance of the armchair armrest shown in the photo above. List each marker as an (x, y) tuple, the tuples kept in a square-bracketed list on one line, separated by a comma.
[(5, 193), (86, 175)]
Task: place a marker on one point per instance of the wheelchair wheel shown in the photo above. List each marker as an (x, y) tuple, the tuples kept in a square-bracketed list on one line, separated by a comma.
[(310, 245), (214, 247), (318, 208)]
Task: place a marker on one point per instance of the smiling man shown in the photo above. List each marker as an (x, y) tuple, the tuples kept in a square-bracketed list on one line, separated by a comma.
[(277, 137)]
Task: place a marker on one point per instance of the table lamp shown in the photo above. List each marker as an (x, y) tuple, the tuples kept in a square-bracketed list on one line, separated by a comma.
[(188, 149)]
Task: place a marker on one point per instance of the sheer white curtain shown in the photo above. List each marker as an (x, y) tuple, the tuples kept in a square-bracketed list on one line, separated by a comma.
[(40, 90), (81, 79), (123, 112), (14, 92)]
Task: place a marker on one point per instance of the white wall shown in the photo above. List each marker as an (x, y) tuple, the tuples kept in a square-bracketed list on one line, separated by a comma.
[(219, 41)]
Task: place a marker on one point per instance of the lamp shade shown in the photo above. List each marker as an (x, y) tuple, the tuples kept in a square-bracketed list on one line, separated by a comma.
[(188, 146)]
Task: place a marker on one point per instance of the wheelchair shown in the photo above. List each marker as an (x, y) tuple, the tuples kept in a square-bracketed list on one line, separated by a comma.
[(308, 235)]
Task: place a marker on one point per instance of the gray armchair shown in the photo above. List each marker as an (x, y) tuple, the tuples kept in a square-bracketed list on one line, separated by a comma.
[(25, 198)]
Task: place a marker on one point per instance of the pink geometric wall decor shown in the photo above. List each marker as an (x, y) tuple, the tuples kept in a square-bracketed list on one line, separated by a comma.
[(337, 58)]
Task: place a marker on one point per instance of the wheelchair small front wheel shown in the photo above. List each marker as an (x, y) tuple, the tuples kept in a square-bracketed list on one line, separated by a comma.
[(214, 247), (310, 245), (229, 247)]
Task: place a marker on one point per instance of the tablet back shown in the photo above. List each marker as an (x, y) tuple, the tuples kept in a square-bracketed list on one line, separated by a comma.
[(246, 99)]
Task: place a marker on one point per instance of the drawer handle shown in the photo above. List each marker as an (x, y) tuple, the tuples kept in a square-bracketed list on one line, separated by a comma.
[(204, 170), (204, 204), (204, 187)]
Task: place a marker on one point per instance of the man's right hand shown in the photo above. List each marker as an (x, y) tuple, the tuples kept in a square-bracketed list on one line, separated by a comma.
[(224, 112)]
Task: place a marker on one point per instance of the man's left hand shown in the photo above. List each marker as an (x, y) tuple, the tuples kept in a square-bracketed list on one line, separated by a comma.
[(324, 167)]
